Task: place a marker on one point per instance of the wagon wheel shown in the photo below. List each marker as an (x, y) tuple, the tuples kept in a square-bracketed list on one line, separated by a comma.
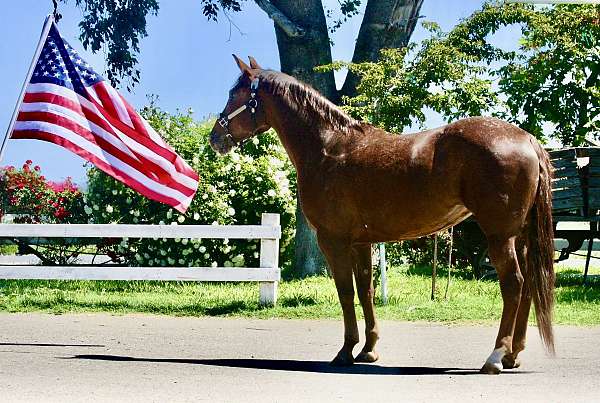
[(482, 266)]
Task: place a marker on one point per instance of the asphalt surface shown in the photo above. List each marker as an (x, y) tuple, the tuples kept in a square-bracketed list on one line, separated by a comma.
[(140, 358)]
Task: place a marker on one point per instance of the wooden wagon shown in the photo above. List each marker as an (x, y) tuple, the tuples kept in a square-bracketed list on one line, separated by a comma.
[(576, 198)]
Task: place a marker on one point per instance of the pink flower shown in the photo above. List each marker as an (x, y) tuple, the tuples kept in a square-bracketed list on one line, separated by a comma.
[(29, 162)]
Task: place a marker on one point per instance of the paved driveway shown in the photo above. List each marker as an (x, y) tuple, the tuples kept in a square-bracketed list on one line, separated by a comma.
[(98, 357)]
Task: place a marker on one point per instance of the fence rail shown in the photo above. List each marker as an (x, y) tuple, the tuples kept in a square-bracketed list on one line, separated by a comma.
[(139, 231), (268, 274)]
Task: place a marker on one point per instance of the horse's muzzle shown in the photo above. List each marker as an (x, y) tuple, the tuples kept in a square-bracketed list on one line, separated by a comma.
[(219, 143)]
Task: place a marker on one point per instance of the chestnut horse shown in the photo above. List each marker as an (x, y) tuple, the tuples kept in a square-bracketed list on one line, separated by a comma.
[(358, 184)]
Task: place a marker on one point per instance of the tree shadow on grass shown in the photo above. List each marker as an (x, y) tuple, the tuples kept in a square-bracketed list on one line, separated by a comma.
[(579, 293), (227, 309), (442, 271), (297, 300), (290, 365), (572, 277)]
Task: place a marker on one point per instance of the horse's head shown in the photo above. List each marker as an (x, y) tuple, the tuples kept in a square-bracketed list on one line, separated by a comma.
[(244, 115)]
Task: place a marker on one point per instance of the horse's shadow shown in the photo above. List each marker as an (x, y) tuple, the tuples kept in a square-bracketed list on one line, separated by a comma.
[(288, 365)]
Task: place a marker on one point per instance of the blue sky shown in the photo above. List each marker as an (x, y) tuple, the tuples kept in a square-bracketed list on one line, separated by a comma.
[(185, 60)]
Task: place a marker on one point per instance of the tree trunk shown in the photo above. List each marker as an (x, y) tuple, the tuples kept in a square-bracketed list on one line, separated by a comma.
[(303, 42), (386, 24), (298, 57)]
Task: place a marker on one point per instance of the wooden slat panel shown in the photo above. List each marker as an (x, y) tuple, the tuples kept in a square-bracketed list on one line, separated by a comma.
[(566, 183), (567, 152), (567, 193), (594, 168), (588, 152), (139, 273), (566, 204), (571, 218), (566, 173), (594, 201), (562, 163), (593, 182), (139, 231)]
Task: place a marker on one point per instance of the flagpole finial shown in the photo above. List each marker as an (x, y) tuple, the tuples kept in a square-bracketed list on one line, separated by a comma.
[(57, 16)]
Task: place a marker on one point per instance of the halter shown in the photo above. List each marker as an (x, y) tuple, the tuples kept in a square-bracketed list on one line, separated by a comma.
[(252, 104)]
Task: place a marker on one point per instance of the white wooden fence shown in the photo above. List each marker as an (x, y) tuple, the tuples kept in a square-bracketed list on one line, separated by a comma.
[(268, 274)]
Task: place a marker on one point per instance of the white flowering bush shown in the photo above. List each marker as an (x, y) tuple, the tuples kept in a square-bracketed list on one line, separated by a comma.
[(234, 189)]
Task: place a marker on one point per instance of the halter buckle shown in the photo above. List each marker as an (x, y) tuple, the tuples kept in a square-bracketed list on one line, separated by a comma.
[(223, 122)]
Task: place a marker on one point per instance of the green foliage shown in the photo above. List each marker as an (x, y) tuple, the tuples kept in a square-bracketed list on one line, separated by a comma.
[(348, 9), (468, 246), (212, 8), (553, 80), (234, 189), (117, 27)]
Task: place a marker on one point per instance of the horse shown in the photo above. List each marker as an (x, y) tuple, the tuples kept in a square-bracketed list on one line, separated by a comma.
[(358, 185)]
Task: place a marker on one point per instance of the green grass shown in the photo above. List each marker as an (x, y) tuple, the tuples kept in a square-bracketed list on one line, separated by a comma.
[(313, 298)]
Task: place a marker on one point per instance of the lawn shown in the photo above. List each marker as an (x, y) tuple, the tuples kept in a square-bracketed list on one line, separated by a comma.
[(312, 298)]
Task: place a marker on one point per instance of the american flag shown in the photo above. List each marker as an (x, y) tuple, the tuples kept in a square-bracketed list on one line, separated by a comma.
[(67, 103)]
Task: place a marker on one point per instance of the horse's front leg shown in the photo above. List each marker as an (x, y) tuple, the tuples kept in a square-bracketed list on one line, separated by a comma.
[(366, 293), (341, 262)]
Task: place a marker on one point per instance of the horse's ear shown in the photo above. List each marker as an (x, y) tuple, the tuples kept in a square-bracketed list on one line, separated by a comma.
[(253, 63), (243, 66)]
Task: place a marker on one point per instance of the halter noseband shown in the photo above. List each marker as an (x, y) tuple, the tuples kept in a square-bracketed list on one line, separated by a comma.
[(252, 104)]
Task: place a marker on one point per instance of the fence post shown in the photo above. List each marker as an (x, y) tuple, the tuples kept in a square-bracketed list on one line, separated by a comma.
[(383, 274), (434, 267), (269, 258)]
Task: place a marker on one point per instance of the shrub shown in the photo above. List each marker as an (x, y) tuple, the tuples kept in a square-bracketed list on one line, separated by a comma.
[(469, 245), (26, 193), (233, 189)]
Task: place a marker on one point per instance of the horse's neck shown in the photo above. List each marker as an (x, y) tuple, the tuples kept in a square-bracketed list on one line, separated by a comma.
[(302, 140)]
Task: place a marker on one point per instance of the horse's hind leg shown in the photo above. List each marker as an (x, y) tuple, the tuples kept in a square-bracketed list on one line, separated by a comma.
[(366, 292), (510, 360), (504, 258), (341, 261)]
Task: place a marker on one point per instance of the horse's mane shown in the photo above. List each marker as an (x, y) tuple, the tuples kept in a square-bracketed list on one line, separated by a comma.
[(307, 102)]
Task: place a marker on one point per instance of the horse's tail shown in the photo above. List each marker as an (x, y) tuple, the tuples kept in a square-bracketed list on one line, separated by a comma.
[(540, 250)]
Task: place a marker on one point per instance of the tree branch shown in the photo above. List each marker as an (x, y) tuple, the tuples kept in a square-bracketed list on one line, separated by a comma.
[(290, 28)]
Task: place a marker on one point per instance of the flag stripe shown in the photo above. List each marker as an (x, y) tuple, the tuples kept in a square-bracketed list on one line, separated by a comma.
[(105, 100), (40, 117), (121, 128), (104, 166), (82, 120), (163, 166), (59, 133), (165, 151), (119, 104)]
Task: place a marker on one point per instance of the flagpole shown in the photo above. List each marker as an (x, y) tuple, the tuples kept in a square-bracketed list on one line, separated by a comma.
[(38, 50)]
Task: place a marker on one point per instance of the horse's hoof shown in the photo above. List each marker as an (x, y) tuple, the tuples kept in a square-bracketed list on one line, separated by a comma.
[(509, 363), (490, 368), (367, 356), (342, 360)]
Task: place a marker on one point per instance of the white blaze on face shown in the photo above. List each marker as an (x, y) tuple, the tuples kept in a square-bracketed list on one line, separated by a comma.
[(495, 359)]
